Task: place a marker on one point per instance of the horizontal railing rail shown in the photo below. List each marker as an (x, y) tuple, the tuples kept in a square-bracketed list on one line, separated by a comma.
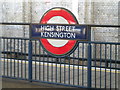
[(90, 25)]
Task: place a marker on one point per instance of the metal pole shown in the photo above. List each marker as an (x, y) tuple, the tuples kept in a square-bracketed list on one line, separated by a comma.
[(119, 42), (30, 56), (0, 51), (89, 32), (89, 76), (30, 61)]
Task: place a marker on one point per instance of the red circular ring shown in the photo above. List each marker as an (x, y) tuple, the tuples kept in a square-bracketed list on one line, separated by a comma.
[(70, 19)]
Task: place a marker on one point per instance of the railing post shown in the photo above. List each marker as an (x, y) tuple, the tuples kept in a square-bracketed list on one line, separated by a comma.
[(89, 76), (1, 63), (30, 61)]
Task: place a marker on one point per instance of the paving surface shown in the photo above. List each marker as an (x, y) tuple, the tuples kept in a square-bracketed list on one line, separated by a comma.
[(13, 83), (59, 73)]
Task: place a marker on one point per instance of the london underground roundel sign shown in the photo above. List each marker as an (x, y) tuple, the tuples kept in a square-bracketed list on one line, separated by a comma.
[(58, 47)]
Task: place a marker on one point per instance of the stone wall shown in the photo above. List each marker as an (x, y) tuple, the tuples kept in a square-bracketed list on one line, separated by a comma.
[(86, 12), (105, 13), (12, 12)]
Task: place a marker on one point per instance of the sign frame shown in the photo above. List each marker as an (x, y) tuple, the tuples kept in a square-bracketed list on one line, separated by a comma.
[(73, 21), (61, 25)]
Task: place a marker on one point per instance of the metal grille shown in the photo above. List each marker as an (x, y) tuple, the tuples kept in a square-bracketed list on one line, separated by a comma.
[(15, 57)]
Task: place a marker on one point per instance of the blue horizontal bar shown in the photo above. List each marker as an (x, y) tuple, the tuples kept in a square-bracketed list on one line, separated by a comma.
[(15, 38), (95, 42)]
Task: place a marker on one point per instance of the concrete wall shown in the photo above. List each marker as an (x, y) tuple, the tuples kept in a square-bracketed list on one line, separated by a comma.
[(88, 12), (106, 13)]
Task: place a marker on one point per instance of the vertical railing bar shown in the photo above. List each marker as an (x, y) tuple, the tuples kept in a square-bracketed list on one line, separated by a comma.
[(105, 63), (89, 76), (95, 65), (21, 59), (78, 64), (47, 68), (1, 58), (115, 66), (100, 63), (25, 56), (43, 64), (83, 48), (14, 59), (64, 70), (39, 61), (110, 65), (11, 57), (7, 57), (56, 69), (60, 71), (30, 61), (4, 55), (52, 71), (69, 70), (35, 60), (8, 62), (30, 55), (18, 59), (73, 69), (89, 73)]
